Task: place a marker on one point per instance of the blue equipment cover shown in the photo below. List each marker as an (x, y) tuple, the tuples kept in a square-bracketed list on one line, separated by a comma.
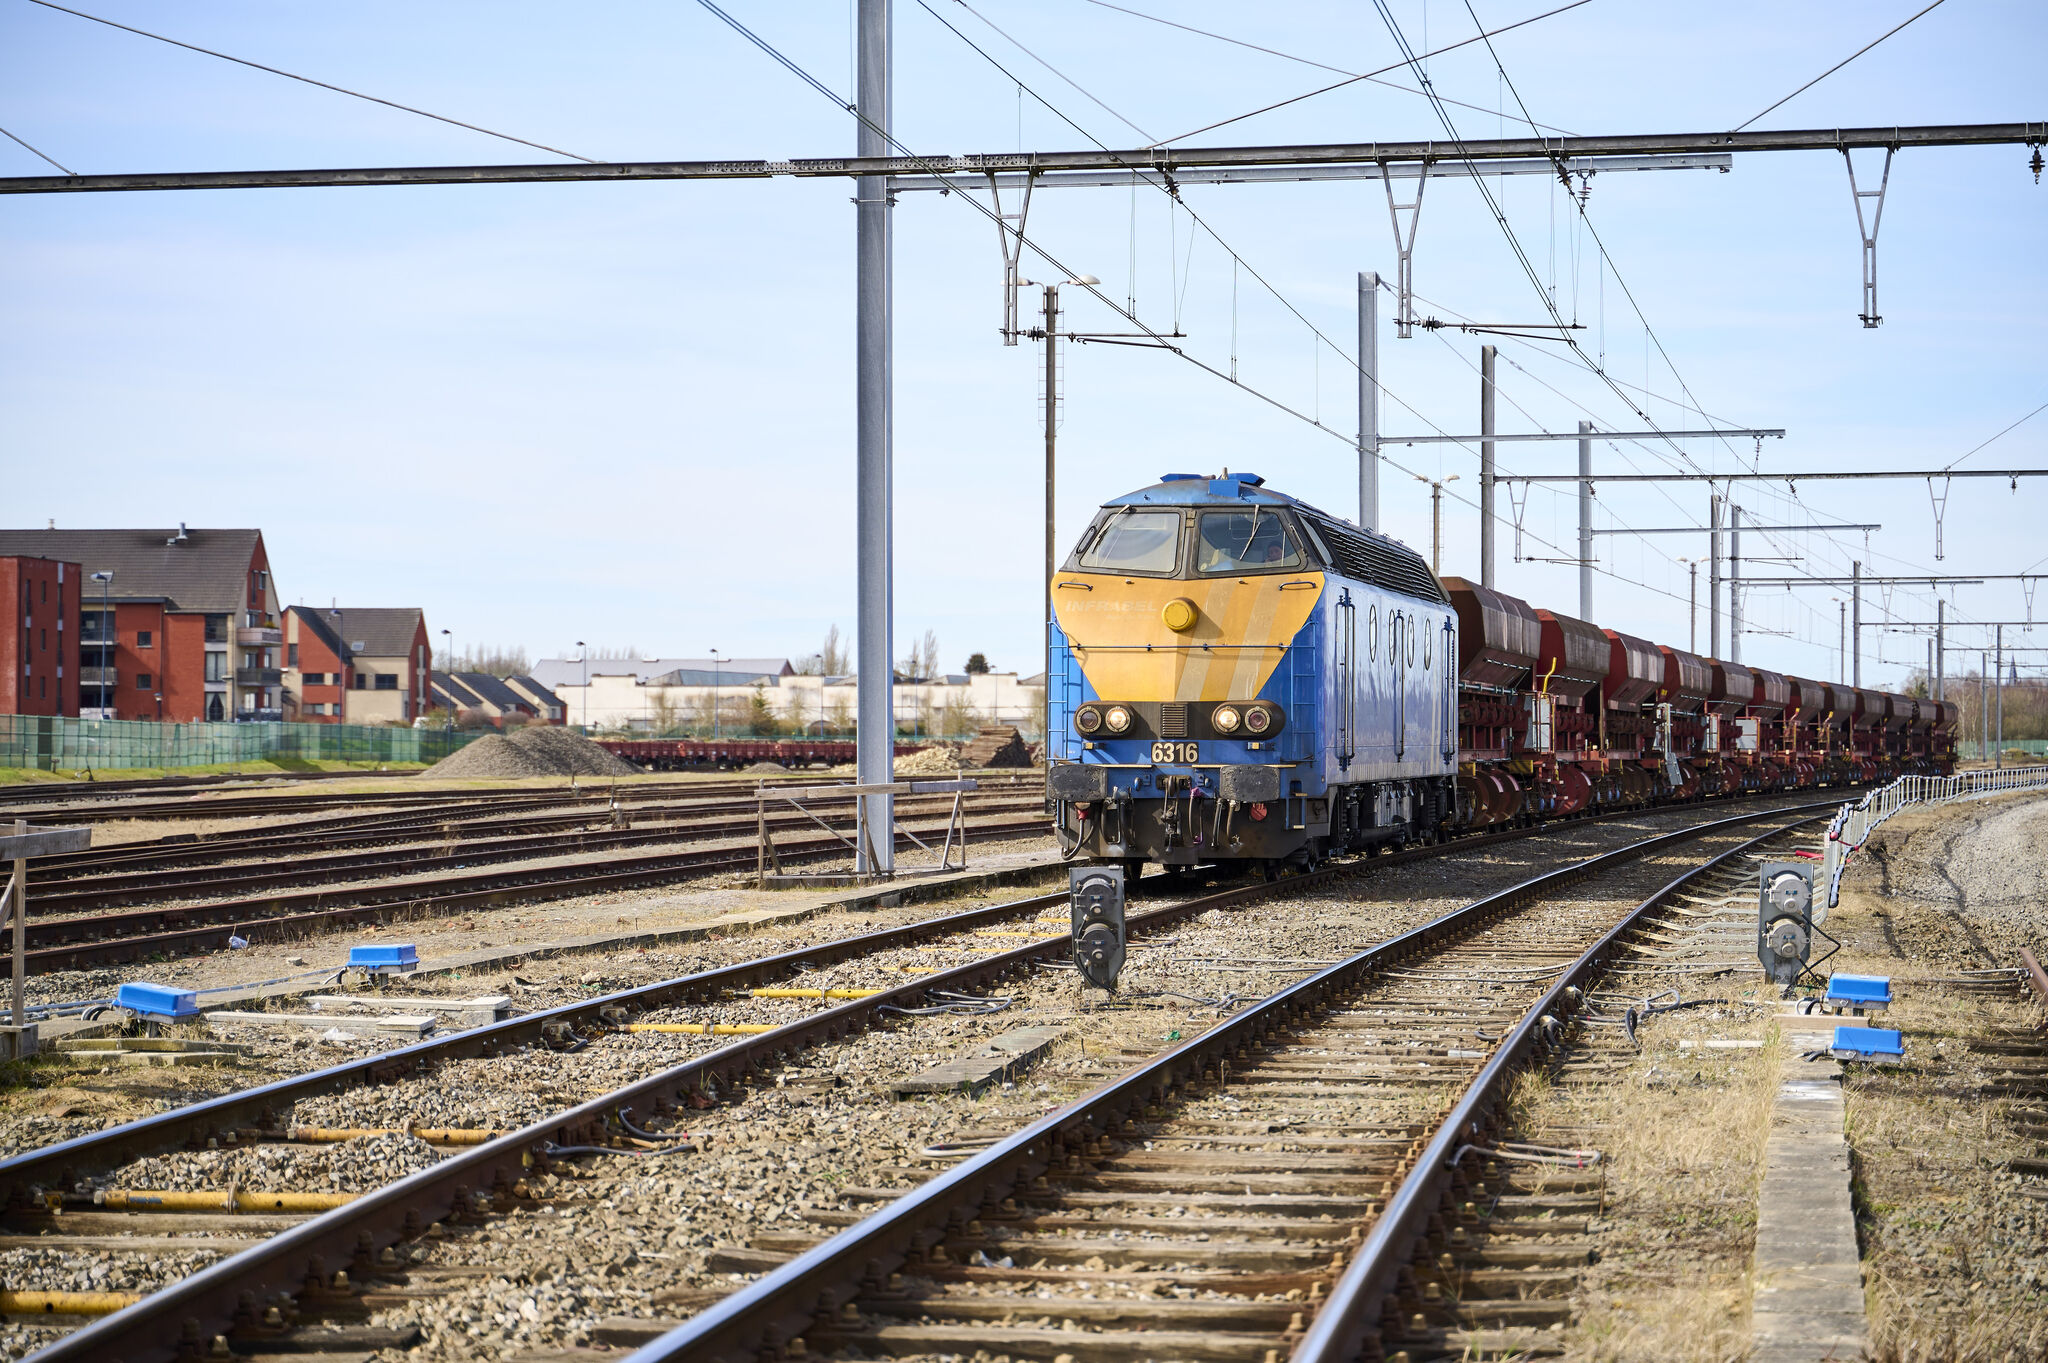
[(157, 1001), (1860, 991), (1869, 1042), (397, 956)]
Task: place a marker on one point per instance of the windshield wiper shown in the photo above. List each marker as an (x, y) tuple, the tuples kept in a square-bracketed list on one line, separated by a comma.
[(1252, 536)]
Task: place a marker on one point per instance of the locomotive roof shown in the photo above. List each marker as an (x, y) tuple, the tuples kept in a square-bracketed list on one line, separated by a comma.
[(1363, 554)]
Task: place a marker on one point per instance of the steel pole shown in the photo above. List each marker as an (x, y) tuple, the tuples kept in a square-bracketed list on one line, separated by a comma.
[(1940, 654), (1714, 573), (1436, 528), (1052, 403), (1585, 521), (1856, 623), (19, 900), (1369, 400), (1486, 466), (1998, 689), (1842, 642), (1734, 583), (1692, 608), (876, 736)]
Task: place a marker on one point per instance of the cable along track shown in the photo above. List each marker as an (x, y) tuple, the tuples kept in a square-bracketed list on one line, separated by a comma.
[(357, 1240), (1258, 1189)]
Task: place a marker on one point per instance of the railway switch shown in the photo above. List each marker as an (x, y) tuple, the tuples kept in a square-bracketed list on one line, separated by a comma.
[(1785, 920), (1097, 901)]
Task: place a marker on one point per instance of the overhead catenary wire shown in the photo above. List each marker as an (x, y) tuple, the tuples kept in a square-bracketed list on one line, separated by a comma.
[(1463, 42), (308, 80), (45, 156), (1355, 76), (1832, 69), (942, 170)]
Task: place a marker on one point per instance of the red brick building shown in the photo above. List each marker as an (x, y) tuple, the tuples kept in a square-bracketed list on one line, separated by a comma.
[(39, 628), (182, 626)]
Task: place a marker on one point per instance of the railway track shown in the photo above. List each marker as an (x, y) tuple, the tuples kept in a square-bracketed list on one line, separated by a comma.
[(1300, 1179), (87, 941), (362, 1239), (437, 851)]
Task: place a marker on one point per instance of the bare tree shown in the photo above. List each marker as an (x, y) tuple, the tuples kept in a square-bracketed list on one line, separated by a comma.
[(499, 660), (922, 661)]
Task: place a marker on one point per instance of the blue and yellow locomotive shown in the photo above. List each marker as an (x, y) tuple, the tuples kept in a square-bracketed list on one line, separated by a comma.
[(1236, 676)]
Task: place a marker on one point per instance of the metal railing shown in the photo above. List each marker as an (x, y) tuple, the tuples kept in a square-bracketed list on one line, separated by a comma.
[(50, 743), (1855, 823)]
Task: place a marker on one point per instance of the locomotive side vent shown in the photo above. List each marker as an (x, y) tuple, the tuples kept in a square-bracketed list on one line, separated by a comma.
[(1173, 720)]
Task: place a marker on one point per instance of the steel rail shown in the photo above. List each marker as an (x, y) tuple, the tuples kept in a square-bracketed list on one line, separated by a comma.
[(1351, 1316), (1163, 160), (766, 1315), (2035, 975), (428, 852), (171, 1128), (348, 1237), (424, 898)]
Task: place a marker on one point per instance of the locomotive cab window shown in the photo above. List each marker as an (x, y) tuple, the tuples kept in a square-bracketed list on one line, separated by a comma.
[(1244, 542), (1135, 542)]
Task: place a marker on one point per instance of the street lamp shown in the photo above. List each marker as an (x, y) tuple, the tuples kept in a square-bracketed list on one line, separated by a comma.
[(583, 651), (715, 663), (1692, 612), (1436, 520), (105, 577)]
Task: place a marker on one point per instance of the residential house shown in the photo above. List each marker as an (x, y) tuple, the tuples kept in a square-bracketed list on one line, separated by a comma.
[(179, 624), (358, 664), (496, 698)]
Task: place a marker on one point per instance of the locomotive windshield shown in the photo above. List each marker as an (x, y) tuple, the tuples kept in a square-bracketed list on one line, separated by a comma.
[(1243, 541), (1136, 542)]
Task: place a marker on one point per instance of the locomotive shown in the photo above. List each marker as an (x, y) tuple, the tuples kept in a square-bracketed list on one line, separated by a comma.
[(1238, 678)]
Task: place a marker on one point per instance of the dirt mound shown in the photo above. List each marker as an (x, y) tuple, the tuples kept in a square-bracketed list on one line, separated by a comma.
[(766, 769), (937, 760), (537, 750)]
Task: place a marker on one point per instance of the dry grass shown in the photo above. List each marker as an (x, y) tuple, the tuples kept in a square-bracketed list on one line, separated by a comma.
[(1684, 1134)]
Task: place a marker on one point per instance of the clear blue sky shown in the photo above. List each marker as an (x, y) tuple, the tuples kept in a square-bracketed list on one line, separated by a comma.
[(623, 413)]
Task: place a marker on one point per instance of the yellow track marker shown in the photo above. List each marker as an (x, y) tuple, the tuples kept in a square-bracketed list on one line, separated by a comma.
[(135, 1199), (67, 1303), (818, 993), (454, 1135), (703, 1028)]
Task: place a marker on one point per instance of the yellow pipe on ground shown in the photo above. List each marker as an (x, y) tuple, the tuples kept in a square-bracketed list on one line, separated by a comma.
[(454, 1135), (163, 1200), (703, 1028), (66, 1303), (819, 993)]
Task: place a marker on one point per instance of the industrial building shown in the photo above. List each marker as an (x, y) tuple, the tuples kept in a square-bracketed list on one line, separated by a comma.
[(659, 695)]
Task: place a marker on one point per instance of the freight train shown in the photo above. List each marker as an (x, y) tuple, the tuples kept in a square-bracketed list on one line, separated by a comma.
[(1237, 677)]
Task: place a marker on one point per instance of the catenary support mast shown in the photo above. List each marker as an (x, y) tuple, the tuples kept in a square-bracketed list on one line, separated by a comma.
[(873, 514)]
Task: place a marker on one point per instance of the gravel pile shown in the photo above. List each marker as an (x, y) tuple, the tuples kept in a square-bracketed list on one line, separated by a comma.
[(357, 1166), (537, 750)]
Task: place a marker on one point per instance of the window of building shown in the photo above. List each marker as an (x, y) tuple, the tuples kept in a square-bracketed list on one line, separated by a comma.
[(46, 640), (359, 681), (216, 629), (43, 688), (46, 593), (291, 655), (387, 681), (144, 639), (216, 667), (143, 681), (215, 710)]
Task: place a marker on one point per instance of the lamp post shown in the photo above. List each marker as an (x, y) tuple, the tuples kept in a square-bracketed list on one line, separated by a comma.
[(105, 577), (583, 652), (1692, 610), (1436, 520), (716, 661)]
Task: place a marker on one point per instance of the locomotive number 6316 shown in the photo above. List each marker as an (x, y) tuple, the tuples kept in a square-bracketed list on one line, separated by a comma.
[(1176, 752)]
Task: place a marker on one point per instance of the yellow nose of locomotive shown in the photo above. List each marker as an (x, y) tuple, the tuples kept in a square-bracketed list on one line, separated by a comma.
[(1179, 614)]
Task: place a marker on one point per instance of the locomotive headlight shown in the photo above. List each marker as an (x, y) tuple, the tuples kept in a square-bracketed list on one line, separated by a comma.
[(1261, 718), (1088, 719), (1117, 719), (1225, 719)]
